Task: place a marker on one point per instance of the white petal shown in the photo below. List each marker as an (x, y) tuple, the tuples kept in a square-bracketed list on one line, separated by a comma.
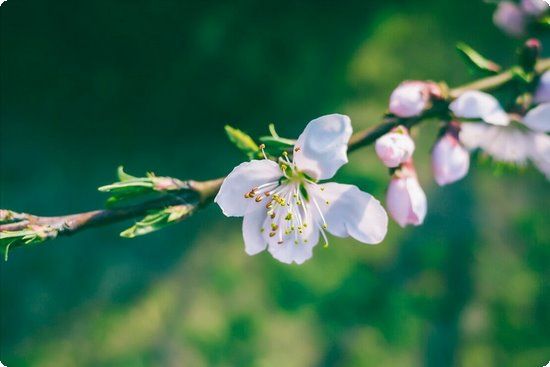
[(507, 144), (540, 153), (542, 94), (503, 143), (351, 212), (323, 146), (510, 18), (475, 104), (534, 7), (254, 219), (288, 251), (241, 180), (538, 119), (473, 134)]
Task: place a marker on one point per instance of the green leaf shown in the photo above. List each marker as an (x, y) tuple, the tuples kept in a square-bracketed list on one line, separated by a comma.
[(131, 187), (123, 176), (475, 61), (243, 141), (158, 220)]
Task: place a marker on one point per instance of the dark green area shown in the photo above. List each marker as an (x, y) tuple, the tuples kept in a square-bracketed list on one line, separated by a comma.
[(88, 86)]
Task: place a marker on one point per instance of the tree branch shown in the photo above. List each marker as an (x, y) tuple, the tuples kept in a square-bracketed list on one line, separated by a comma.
[(198, 194)]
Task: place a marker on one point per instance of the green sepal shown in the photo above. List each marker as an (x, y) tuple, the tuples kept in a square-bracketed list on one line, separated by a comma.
[(131, 187), (475, 61), (276, 145), (159, 219), (242, 141)]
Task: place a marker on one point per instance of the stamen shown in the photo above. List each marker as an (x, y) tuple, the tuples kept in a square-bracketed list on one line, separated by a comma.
[(262, 147)]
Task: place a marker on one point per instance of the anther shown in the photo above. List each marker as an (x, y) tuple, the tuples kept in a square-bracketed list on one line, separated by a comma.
[(259, 198), (272, 234)]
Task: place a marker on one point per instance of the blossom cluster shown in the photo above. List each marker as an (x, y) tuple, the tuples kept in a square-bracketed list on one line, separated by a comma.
[(286, 209), (476, 121)]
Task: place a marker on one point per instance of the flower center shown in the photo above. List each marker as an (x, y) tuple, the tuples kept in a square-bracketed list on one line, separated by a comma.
[(292, 212)]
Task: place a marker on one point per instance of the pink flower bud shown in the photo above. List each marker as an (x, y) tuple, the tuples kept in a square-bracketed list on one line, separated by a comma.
[(450, 160), (510, 18), (410, 98), (395, 147), (534, 7), (406, 201)]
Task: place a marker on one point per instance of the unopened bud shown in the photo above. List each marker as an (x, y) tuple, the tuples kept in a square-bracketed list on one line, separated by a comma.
[(395, 147), (529, 54), (450, 160), (410, 98), (405, 200)]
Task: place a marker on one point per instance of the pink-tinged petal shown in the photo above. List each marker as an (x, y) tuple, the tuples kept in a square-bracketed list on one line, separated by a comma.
[(540, 153), (503, 143), (538, 118), (322, 148), (243, 179), (253, 222), (287, 251), (409, 99), (406, 201), (475, 104), (473, 134), (542, 94), (450, 160), (534, 7), (394, 148), (349, 211), (510, 18)]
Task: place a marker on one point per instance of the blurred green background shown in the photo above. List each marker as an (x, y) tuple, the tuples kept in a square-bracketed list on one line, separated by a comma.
[(89, 85)]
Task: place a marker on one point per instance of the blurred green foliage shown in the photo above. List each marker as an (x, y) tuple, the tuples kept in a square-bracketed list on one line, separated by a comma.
[(87, 86)]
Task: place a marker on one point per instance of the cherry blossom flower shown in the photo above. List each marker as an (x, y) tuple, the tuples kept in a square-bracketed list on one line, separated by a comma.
[(450, 159), (406, 201), (412, 97), (507, 141), (284, 207), (395, 147), (510, 18)]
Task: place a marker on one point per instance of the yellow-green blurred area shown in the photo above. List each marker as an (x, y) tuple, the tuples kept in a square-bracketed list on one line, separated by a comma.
[(90, 85)]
